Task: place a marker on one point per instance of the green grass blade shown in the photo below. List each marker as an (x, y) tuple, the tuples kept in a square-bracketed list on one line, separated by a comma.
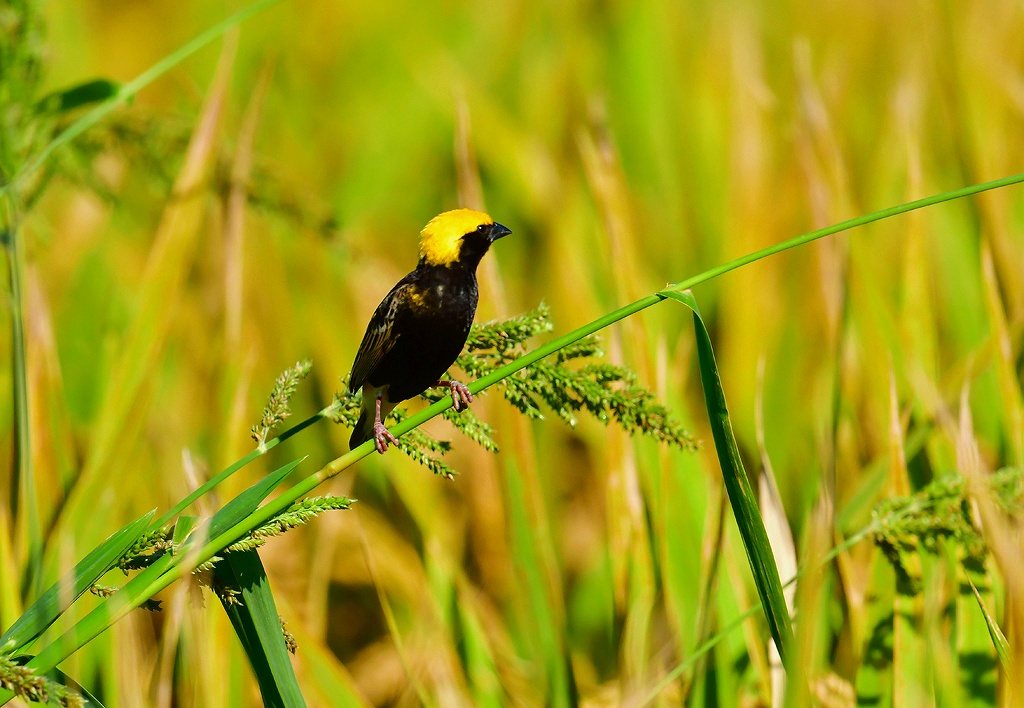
[(150, 581), (547, 631), (182, 528), (24, 500), (58, 676), (481, 669), (128, 91), (132, 595), (54, 687), (258, 627), (738, 621), (231, 469), (844, 226), (741, 496), (632, 308), (245, 503), (163, 575), (52, 603), (79, 95), (999, 640)]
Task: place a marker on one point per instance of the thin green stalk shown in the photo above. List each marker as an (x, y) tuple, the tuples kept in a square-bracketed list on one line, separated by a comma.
[(23, 484), (645, 302), (845, 226), (738, 621), (128, 91), (239, 464), (106, 613), (123, 95), (760, 555), (103, 616), (876, 525)]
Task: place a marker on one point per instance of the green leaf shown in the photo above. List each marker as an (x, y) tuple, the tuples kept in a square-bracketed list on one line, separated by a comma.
[(998, 638), (258, 627), (151, 580), (59, 677), (532, 548), (134, 593), (741, 496), (83, 94), (54, 601), (477, 656), (237, 465), (127, 92), (182, 528), (244, 504), (54, 687)]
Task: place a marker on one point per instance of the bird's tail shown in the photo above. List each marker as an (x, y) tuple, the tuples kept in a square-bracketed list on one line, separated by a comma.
[(364, 427)]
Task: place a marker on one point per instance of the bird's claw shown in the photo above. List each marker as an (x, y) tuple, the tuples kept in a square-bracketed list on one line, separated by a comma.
[(461, 396), (382, 436)]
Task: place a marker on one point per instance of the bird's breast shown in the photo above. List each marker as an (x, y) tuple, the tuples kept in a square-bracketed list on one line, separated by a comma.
[(452, 298)]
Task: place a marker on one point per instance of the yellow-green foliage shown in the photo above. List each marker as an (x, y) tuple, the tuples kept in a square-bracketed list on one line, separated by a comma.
[(249, 209)]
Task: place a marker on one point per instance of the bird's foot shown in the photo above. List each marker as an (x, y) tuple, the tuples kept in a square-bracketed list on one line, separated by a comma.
[(461, 396), (382, 436)]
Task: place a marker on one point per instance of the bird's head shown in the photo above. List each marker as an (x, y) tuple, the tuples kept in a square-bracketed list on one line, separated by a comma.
[(459, 236)]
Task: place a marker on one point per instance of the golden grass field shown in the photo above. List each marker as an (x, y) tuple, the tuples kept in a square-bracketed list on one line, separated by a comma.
[(249, 209)]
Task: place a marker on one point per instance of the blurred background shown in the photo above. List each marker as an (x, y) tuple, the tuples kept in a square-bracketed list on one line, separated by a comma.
[(251, 207)]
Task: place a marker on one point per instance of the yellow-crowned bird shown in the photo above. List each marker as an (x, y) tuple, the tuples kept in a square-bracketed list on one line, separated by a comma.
[(420, 327)]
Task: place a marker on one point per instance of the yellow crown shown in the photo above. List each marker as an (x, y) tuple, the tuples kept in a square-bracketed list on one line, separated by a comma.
[(439, 240)]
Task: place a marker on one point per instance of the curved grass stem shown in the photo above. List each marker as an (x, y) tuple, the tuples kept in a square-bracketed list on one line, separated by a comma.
[(149, 583), (23, 498), (128, 91)]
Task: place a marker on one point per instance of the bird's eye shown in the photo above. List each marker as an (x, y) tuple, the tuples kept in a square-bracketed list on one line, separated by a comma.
[(481, 228)]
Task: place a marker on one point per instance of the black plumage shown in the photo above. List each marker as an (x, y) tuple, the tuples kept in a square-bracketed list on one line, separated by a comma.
[(420, 327)]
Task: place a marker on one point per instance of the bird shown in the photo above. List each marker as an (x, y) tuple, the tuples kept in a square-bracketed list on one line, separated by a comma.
[(421, 326)]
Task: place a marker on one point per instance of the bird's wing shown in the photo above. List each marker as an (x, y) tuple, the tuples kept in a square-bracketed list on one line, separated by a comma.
[(379, 337)]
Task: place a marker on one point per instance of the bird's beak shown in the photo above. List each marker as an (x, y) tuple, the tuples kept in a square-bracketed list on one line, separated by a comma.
[(499, 231)]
